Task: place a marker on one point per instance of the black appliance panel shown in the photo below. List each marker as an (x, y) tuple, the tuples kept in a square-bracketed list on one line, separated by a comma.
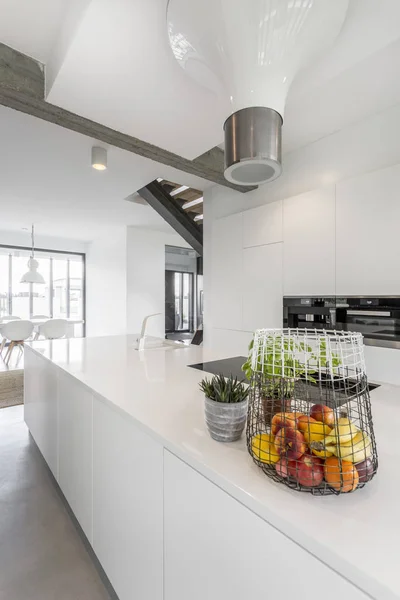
[(377, 318)]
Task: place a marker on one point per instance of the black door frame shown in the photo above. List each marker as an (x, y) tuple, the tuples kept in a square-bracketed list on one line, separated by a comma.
[(191, 300)]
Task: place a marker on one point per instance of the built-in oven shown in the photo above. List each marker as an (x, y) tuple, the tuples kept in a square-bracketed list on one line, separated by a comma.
[(377, 318), (310, 312)]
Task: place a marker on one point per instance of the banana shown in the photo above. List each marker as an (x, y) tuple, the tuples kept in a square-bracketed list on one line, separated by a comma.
[(356, 450), (343, 431)]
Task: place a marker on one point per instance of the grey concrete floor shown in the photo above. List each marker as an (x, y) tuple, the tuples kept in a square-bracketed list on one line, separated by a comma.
[(42, 556)]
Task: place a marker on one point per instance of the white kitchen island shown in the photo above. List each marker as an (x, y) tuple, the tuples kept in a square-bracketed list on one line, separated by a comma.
[(172, 514)]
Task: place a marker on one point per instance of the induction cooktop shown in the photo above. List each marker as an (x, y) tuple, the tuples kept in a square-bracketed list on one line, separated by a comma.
[(226, 367), (233, 367)]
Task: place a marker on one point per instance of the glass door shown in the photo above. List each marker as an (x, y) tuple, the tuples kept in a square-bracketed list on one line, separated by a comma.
[(183, 301)]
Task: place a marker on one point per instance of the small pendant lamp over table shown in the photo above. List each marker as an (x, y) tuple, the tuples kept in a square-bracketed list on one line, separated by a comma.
[(32, 275)]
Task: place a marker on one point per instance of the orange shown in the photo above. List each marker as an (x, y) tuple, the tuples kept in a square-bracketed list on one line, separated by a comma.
[(341, 474)]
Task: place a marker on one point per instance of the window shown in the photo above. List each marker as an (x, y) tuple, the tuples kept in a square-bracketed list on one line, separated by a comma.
[(61, 296)]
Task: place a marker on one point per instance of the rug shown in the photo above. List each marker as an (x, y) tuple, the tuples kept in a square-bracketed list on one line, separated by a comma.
[(11, 388)]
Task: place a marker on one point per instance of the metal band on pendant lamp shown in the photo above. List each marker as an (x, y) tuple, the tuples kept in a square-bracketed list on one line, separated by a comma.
[(32, 275)]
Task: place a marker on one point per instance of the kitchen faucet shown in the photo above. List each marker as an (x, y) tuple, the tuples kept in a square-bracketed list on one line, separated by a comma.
[(143, 330)]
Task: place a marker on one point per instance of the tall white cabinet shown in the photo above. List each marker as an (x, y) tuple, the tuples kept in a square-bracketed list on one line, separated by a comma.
[(367, 234), (246, 274), (309, 244), (227, 273), (262, 287)]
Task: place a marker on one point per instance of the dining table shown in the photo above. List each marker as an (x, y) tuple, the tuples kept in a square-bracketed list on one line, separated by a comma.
[(71, 322)]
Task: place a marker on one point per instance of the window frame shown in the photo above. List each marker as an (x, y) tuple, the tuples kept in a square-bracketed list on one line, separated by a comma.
[(50, 251)]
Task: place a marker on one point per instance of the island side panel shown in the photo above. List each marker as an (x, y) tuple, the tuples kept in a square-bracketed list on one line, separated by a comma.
[(216, 548), (41, 405), (127, 504), (75, 435)]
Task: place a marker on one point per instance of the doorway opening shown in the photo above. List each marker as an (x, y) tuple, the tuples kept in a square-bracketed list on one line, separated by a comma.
[(182, 310)]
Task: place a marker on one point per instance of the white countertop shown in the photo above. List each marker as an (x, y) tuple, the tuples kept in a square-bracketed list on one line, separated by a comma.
[(356, 534)]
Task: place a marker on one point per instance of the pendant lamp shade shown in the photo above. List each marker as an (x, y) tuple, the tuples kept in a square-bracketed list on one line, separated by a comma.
[(32, 275), (248, 53)]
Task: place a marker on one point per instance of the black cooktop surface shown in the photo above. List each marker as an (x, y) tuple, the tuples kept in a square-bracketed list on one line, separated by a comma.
[(226, 367), (233, 366)]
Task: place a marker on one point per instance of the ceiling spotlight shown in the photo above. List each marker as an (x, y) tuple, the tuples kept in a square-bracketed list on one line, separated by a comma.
[(99, 158)]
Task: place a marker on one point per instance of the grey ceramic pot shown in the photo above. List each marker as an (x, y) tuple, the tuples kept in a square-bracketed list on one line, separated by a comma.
[(224, 421)]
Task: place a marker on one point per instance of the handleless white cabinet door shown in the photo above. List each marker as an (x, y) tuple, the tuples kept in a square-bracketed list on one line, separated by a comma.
[(41, 406), (127, 505), (75, 448), (224, 298), (263, 225), (367, 234), (217, 549), (309, 243), (262, 287), (227, 342)]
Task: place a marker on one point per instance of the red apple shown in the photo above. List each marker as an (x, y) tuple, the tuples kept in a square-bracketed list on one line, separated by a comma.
[(293, 467), (282, 467), (309, 470), (365, 470), (282, 419), (323, 413), (290, 443)]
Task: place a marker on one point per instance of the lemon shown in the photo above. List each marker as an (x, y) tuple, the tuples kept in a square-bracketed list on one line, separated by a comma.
[(262, 446)]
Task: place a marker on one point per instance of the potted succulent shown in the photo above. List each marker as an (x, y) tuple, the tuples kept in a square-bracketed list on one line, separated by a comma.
[(225, 407)]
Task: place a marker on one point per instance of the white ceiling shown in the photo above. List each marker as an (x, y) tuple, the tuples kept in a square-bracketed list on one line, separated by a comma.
[(32, 26), (119, 70), (46, 178), (110, 61)]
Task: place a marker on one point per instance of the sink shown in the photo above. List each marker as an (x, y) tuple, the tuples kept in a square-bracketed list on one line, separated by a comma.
[(153, 343)]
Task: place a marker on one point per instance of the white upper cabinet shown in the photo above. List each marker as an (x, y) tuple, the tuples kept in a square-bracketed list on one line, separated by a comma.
[(262, 225), (309, 243), (262, 287), (225, 296), (367, 234)]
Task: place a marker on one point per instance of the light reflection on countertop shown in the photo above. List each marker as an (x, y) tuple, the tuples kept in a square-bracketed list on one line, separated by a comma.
[(355, 534)]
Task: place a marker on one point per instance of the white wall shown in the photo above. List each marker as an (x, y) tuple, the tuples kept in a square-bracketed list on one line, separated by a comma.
[(23, 238), (146, 277), (106, 284), (340, 212)]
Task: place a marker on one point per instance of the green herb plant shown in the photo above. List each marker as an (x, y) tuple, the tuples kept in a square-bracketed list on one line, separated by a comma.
[(280, 367), (228, 391)]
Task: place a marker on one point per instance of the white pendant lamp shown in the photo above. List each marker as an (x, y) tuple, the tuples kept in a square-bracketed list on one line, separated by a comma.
[(32, 275), (248, 52)]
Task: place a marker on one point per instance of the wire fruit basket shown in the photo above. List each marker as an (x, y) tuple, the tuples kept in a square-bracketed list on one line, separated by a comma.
[(309, 420)]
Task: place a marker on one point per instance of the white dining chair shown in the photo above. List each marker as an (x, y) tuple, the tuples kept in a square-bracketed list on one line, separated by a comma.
[(16, 332), (6, 319), (53, 329)]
